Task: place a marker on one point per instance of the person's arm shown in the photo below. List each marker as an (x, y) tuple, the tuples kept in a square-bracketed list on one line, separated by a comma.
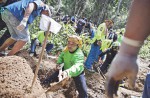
[(78, 67), (124, 64), (98, 33), (138, 25), (105, 52), (137, 29), (28, 11), (60, 58)]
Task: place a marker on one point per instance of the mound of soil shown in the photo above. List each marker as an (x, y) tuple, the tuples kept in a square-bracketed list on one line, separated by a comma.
[(16, 78)]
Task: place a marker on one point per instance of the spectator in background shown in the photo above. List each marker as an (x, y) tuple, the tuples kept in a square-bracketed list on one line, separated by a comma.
[(80, 25), (89, 28), (73, 20), (38, 40), (110, 54), (66, 19), (100, 36)]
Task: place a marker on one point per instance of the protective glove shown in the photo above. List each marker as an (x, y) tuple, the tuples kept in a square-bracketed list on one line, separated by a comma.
[(59, 66), (62, 75), (37, 42), (22, 24), (123, 65)]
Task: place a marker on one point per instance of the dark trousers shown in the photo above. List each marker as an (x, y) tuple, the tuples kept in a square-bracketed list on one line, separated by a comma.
[(49, 46), (78, 31), (146, 92), (33, 46), (81, 86), (104, 67), (4, 37), (6, 34), (2, 23), (80, 83)]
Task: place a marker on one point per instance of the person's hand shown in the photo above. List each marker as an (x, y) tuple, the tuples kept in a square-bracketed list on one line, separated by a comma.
[(100, 61), (64, 74), (58, 67), (37, 42), (122, 66), (22, 24), (99, 43)]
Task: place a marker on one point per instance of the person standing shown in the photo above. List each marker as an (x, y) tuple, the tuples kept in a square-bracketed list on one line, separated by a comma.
[(17, 17), (38, 40), (73, 59), (80, 26), (6, 34), (100, 35)]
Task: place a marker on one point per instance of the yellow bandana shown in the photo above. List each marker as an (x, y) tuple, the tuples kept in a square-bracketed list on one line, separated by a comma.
[(76, 39)]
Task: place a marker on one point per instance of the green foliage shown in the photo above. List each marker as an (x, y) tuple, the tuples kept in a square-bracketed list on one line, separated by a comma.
[(98, 10), (60, 40), (95, 10), (34, 27)]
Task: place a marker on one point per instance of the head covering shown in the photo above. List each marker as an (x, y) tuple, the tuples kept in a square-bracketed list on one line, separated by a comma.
[(109, 20), (116, 43), (48, 9), (75, 39)]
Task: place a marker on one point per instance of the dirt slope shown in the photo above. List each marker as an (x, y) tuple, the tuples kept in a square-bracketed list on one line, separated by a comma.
[(16, 77), (95, 82)]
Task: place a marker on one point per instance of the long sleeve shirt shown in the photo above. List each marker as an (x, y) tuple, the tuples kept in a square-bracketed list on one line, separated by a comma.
[(73, 62), (100, 33)]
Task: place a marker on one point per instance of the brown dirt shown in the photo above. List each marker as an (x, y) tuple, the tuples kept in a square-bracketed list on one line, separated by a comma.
[(95, 82), (16, 77)]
